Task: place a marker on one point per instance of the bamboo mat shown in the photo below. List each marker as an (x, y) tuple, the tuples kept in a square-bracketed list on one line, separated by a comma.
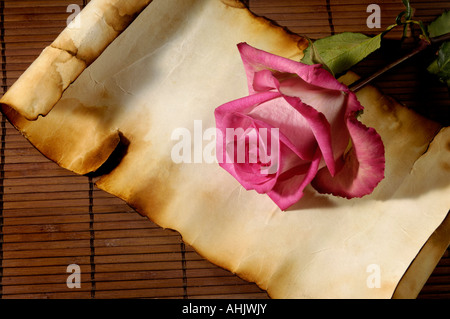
[(51, 218)]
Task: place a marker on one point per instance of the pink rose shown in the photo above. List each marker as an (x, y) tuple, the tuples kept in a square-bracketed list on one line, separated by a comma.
[(300, 128)]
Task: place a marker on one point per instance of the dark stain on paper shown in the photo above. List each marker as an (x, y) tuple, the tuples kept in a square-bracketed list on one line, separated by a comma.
[(114, 159)]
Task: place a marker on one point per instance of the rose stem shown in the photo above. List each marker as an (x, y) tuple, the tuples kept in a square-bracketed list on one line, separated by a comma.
[(423, 45)]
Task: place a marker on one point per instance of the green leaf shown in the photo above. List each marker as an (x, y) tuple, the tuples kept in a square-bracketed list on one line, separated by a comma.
[(433, 67), (315, 58), (440, 26), (441, 66), (342, 51)]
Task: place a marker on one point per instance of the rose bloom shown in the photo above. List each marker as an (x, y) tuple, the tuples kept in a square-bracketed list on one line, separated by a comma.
[(319, 140)]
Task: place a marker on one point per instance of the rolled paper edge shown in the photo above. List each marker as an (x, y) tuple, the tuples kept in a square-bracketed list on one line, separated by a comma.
[(42, 85)]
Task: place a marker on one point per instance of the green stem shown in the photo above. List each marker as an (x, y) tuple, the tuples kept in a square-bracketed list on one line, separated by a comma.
[(423, 45)]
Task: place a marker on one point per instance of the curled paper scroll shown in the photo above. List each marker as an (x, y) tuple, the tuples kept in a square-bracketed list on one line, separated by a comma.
[(113, 93)]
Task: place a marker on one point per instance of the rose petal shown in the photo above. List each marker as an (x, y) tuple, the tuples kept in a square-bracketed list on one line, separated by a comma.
[(300, 169), (243, 105), (288, 192), (288, 157), (291, 158), (362, 168), (279, 113), (224, 116), (250, 175), (320, 128), (246, 173), (331, 103), (265, 81), (256, 60)]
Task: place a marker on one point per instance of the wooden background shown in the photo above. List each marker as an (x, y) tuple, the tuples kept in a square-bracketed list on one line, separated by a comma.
[(51, 218)]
